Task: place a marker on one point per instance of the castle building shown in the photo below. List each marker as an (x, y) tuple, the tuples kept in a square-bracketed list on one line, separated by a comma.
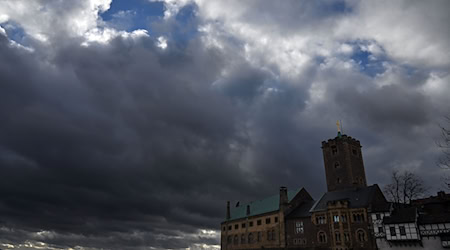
[(339, 220), (260, 224)]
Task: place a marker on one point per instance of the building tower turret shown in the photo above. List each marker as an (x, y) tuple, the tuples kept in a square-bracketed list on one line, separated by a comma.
[(344, 166)]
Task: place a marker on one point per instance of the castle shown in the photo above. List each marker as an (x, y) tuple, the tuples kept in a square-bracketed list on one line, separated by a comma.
[(350, 215)]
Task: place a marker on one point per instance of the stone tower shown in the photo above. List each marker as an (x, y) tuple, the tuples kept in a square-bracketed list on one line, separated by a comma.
[(344, 167)]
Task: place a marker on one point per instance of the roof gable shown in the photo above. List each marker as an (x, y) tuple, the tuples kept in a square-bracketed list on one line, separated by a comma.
[(267, 205)]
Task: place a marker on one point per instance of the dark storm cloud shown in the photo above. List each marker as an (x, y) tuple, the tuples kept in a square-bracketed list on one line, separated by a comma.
[(108, 139), (388, 107), (113, 141)]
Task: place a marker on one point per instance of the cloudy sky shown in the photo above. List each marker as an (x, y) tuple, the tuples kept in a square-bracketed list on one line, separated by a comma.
[(129, 124)]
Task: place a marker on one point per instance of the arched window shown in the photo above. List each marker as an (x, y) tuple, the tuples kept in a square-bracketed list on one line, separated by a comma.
[(322, 237), (250, 238), (361, 235), (236, 240), (242, 238), (229, 239)]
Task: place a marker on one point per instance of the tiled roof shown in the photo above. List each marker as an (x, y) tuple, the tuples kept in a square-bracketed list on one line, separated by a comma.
[(401, 215), (434, 218), (302, 210), (266, 205), (356, 197)]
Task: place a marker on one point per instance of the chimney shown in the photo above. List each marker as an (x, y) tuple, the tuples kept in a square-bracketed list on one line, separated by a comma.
[(283, 198), (228, 210), (248, 210)]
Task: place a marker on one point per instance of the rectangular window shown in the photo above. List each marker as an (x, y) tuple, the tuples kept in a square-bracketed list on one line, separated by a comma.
[(299, 227), (258, 238), (344, 218), (224, 228), (276, 219), (358, 217), (236, 226), (229, 227), (378, 216), (380, 229), (392, 230), (320, 220), (250, 224), (336, 219), (267, 220), (258, 222), (243, 225), (402, 230), (334, 150)]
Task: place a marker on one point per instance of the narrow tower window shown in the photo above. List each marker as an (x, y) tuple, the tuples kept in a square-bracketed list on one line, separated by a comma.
[(334, 150)]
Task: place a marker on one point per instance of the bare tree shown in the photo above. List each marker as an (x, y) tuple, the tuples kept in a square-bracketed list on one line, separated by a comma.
[(444, 144), (405, 186)]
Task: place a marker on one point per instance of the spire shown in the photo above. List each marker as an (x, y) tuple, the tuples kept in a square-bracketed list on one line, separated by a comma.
[(338, 125)]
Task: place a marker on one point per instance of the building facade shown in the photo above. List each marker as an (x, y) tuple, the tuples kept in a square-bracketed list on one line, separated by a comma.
[(424, 224), (260, 224)]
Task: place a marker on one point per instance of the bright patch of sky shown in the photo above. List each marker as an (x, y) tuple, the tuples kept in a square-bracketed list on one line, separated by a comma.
[(369, 56), (337, 6), (14, 32), (148, 15), (133, 14), (187, 26)]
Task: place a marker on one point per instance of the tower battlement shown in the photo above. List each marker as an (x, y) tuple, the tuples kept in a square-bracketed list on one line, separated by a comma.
[(343, 137)]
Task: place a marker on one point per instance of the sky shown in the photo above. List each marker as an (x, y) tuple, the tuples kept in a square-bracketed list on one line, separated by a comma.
[(130, 124)]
